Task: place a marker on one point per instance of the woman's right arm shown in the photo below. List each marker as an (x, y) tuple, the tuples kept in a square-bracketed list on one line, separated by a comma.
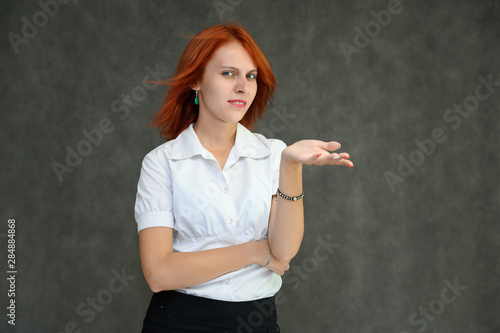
[(168, 270)]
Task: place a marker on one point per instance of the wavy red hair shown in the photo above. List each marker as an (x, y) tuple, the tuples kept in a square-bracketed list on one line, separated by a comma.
[(179, 110)]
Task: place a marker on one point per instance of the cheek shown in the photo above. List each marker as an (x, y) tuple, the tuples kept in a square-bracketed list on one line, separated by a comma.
[(255, 92), (211, 95)]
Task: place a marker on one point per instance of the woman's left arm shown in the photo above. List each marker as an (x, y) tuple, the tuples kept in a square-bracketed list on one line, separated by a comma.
[(286, 220)]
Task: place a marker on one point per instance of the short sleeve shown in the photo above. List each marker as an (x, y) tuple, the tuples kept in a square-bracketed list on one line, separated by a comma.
[(277, 147), (153, 204)]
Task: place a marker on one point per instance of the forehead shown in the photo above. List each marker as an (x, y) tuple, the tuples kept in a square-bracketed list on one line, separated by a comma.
[(232, 54)]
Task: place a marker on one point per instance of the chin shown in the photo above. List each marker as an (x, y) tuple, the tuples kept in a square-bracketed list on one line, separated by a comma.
[(236, 117)]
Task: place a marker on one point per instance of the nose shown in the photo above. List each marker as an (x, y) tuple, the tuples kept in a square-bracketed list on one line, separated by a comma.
[(242, 85)]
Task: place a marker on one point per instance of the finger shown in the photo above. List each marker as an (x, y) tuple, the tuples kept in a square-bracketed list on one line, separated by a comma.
[(330, 146), (333, 145), (341, 159), (337, 157), (345, 162), (344, 155), (321, 159), (314, 158), (327, 158)]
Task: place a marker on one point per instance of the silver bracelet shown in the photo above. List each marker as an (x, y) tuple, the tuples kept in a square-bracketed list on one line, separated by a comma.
[(269, 257), (287, 197)]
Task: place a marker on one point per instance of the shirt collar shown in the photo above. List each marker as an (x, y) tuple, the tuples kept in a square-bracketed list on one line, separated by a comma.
[(246, 144)]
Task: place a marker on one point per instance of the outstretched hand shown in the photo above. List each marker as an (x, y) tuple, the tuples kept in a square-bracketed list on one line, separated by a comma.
[(315, 152)]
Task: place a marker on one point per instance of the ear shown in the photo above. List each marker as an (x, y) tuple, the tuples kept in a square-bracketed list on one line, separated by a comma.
[(196, 86)]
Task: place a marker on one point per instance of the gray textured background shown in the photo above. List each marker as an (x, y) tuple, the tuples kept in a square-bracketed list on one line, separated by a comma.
[(395, 247)]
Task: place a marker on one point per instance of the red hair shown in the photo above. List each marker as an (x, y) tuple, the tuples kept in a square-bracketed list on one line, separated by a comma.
[(179, 110)]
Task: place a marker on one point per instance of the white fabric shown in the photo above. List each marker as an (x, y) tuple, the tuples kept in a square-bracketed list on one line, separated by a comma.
[(181, 186)]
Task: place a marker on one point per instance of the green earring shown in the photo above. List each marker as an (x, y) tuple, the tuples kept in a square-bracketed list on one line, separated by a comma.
[(196, 102)]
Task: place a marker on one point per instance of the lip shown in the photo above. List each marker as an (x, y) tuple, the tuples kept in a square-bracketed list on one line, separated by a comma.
[(238, 105)]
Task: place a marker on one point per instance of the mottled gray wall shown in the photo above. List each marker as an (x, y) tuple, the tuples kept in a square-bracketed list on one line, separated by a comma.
[(417, 213)]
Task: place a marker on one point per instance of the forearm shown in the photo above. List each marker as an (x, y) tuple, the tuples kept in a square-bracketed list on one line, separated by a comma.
[(287, 226), (178, 270)]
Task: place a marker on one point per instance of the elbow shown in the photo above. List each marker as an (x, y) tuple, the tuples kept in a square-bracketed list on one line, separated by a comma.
[(152, 282), (160, 275), (156, 281), (285, 255), (155, 288), (154, 285), (284, 252)]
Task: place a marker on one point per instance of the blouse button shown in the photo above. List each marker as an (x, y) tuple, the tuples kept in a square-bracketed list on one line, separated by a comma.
[(225, 190), (228, 281), (230, 221)]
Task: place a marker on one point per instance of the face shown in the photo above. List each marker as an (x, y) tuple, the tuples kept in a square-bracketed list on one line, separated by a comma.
[(228, 86)]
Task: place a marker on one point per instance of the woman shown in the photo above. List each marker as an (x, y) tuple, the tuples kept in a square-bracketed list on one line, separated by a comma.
[(218, 208)]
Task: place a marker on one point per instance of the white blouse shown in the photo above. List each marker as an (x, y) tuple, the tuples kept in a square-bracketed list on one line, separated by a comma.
[(181, 186)]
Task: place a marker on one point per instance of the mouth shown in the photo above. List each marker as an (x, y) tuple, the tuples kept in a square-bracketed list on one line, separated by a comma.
[(239, 103)]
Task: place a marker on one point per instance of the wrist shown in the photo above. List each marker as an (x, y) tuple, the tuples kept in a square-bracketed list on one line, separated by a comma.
[(262, 253), (255, 251), (288, 161), (290, 182)]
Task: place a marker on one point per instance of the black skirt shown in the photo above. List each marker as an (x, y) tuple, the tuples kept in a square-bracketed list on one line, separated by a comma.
[(171, 311)]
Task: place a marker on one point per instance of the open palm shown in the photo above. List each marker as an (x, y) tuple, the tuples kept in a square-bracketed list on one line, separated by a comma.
[(316, 152)]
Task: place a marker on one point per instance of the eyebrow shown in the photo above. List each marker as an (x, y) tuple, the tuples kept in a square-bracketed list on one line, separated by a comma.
[(237, 69)]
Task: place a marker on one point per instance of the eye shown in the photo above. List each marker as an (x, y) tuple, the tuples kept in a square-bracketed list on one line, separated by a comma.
[(228, 73), (252, 76)]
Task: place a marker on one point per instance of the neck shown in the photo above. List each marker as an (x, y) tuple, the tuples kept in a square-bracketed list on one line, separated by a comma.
[(215, 135)]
